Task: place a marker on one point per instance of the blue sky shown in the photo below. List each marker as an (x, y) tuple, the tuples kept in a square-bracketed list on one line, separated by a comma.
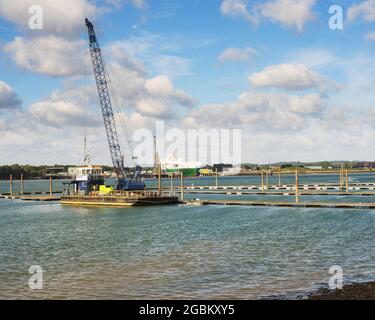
[(216, 57)]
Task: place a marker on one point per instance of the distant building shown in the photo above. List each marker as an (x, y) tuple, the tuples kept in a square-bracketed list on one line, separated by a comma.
[(314, 167), (231, 171), (55, 172), (364, 165)]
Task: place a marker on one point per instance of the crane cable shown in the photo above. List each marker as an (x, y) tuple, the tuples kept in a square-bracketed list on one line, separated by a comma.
[(119, 112)]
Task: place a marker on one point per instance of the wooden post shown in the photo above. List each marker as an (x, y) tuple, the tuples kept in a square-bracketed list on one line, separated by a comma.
[(216, 179), (262, 181), (297, 187), (22, 186), (347, 181), (159, 179), (182, 187), (50, 186), (267, 181), (11, 185), (171, 184), (341, 179), (342, 176)]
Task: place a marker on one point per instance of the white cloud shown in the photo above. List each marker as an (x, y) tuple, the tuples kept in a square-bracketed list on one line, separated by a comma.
[(161, 98), (287, 76), (157, 108), (59, 17), (56, 50), (25, 140), (8, 98), (238, 9), (63, 109), (314, 57), (128, 83), (308, 104), (117, 51), (159, 52), (365, 10), (140, 4), (281, 127), (52, 129), (162, 86), (237, 54), (171, 65), (258, 111), (50, 55), (152, 97), (290, 13), (57, 122)]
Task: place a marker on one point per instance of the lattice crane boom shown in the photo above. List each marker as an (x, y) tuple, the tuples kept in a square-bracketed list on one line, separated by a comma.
[(108, 114)]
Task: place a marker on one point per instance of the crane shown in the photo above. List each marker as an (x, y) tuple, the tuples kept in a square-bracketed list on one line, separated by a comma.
[(123, 183)]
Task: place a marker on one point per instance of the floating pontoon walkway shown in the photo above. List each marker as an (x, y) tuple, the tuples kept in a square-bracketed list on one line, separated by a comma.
[(280, 193), (289, 187), (283, 204), (44, 198)]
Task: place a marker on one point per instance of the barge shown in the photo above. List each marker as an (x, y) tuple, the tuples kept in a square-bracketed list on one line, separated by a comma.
[(120, 199), (89, 189)]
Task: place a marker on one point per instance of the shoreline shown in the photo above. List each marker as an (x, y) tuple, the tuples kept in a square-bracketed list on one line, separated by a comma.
[(355, 291)]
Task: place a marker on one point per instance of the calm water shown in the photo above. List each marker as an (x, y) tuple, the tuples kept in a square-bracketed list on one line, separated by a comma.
[(182, 251)]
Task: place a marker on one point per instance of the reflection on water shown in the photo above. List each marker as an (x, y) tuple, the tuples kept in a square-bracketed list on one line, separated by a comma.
[(179, 252)]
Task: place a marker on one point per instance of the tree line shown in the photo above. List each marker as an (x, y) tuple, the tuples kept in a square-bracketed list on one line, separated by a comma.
[(28, 171)]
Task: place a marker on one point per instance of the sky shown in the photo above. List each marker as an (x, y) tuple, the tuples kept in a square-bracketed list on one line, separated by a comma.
[(298, 88)]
